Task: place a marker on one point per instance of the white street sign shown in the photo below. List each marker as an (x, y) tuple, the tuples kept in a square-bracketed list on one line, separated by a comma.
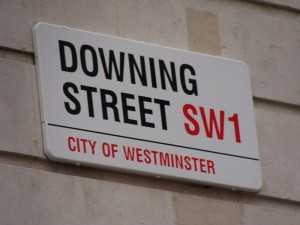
[(125, 105)]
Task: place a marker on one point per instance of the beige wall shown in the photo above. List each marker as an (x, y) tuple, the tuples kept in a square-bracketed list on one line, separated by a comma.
[(264, 34)]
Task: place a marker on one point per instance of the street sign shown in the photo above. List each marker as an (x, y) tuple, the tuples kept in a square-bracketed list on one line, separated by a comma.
[(126, 105)]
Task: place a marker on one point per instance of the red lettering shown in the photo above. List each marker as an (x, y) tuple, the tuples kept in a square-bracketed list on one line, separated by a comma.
[(147, 156), (109, 150), (178, 160), (187, 165), (71, 140), (114, 150), (129, 153), (213, 124), (77, 144), (154, 156), (171, 160), (139, 154), (92, 145), (202, 165), (235, 120), (193, 128), (195, 163), (83, 141), (164, 159), (211, 167), (212, 121)]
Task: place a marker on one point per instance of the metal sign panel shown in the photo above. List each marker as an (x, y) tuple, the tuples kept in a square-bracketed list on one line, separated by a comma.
[(131, 106)]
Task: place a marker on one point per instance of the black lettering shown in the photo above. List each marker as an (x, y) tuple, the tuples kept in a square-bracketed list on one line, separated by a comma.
[(127, 108), (153, 73), (66, 88), (164, 72), (193, 90), (89, 90), (94, 70), (112, 104), (144, 111), (134, 67), (112, 63), (162, 105), (62, 54)]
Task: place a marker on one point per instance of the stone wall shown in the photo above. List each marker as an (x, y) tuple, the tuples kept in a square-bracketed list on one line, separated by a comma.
[(265, 34)]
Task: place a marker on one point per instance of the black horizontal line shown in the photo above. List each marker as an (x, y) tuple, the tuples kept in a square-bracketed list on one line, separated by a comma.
[(156, 142)]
